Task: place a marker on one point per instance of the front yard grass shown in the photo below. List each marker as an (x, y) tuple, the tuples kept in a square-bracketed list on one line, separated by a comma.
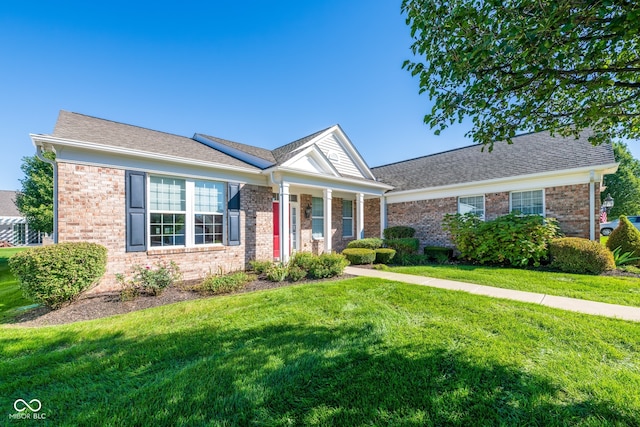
[(609, 289), (10, 294), (352, 352)]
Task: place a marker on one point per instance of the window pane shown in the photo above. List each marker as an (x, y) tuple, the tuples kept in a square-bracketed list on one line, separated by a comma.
[(208, 229), (347, 209), (347, 227), (167, 229), (317, 227), (317, 207), (527, 202), (167, 194), (209, 196), (473, 205)]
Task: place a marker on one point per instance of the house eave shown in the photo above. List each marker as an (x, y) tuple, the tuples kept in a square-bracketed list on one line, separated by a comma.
[(44, 140), (285, 170)]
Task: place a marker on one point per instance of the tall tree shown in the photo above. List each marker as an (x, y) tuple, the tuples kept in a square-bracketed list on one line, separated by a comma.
[(514, 65), (624, 185), (35, 200)]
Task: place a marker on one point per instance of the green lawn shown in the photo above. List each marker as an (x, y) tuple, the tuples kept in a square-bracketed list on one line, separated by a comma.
[(10, 294), (614, 290), (353, 352)]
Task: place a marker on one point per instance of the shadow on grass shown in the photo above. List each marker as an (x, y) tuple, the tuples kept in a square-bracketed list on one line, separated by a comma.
[(281, 374)]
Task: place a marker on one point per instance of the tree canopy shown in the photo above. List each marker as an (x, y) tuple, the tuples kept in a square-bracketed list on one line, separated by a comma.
[(624, 185), (529, 65), (35, 200)]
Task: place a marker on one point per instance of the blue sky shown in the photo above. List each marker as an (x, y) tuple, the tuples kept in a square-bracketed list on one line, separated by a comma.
[(258, 72)]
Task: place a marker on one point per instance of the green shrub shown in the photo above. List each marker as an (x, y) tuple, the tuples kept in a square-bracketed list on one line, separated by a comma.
[(410, 259), (576, 255), (226, 283), (626, 237), (438, 253), (509, 239), (304, 260), (260, 266), (359, 256), (56, 274), (384, 255), (622, 258), (328, 265), (399, 232), (368, 243), (276, 272), (155, 280), (296, 273), (404, 245)]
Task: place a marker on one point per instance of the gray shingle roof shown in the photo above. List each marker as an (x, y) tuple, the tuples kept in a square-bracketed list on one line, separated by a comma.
[(7, 203), (105, 132), (285, 152), (262, 153), (529, 154)]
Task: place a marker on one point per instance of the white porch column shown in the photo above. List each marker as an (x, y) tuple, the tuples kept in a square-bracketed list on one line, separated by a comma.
[(360, 220), (327, 220), (383, 215), (284, 222)]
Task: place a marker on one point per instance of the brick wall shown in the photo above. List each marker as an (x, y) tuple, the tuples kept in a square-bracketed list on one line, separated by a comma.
[(425, 216), (91, 207), (372, 218), (568, 204)]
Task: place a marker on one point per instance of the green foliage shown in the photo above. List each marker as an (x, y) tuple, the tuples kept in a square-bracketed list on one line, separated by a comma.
[(624, 185), (384, 255), (626, 237), (405, 245), (438, 253), (277, 272), (368, 243), (155, 280), (260, 266), (296, 273), (220, 284), (328, 265), (509, 239), (57, 274), (304, 260), (531, 64), (399, 232), (409, 259), (359, 256), (622, 258), (35, 199), (576, 255)]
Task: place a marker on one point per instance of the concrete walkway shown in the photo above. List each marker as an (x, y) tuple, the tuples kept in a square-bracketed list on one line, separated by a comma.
[(564, 303)]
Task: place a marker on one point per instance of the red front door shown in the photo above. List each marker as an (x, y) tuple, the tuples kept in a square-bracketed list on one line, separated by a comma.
[(276, 230)]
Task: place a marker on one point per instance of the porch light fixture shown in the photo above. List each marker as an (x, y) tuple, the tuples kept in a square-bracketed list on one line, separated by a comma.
[(608, 202), (307, 211)]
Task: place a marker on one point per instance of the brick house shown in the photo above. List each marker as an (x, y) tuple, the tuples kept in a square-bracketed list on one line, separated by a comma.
[(212, 205)]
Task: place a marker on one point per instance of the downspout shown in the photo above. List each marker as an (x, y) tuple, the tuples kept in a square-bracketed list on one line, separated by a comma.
[(592, 205), (39, 154)]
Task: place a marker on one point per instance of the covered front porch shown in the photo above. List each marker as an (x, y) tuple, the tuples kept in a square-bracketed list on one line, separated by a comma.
[(317, 214)]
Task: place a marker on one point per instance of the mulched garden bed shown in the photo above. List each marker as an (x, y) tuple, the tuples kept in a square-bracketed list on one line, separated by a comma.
[(108, 303)]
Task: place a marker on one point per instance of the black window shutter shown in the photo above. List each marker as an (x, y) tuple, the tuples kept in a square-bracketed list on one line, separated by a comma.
[(136, 210), (233, 214)]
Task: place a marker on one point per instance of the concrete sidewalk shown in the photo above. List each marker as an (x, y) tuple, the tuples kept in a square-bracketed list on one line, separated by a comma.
[(564, 303)]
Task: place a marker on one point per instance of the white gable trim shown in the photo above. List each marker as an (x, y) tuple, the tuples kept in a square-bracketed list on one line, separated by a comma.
[(317, 157), (516, 183)]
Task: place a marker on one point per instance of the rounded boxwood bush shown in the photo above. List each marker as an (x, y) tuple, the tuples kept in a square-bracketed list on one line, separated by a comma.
[(576, 255), (399, 232), (384, 255), (359, 256), (368, 243), (56, 274), (626, 237)]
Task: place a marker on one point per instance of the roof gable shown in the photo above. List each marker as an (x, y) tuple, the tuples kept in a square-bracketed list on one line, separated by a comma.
[(529, 154)]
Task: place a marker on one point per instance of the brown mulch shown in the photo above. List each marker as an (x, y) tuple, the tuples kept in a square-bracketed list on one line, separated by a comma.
[(106, 304)]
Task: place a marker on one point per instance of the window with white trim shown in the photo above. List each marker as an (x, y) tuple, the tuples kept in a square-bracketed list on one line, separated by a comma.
[(527, 202), (185, 212), (471, 204), (317, 217), (167, 208), (208, 212), (347, 218)]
